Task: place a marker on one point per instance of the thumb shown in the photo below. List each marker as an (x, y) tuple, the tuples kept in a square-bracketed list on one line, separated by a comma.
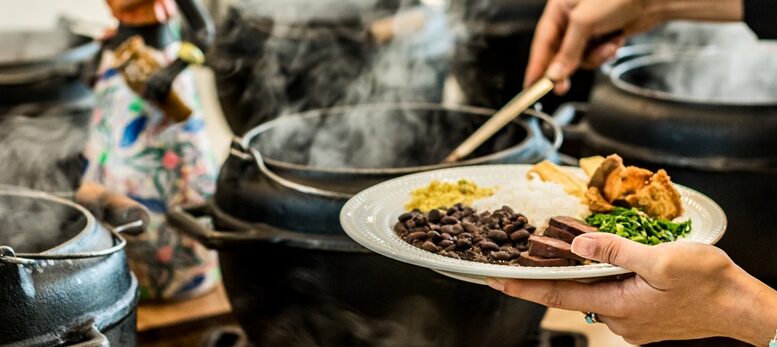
[(615, 250)]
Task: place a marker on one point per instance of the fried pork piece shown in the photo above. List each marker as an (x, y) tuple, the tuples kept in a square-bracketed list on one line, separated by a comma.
[(613, 183), (659, 198), (596, 202)]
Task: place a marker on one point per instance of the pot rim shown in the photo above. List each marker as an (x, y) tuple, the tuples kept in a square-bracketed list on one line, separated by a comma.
[(34, 194), (257, 131), (617, 72)]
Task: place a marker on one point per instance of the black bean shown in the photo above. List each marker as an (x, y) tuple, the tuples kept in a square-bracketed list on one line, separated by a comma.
[(423, 228), (522, 219), (433, 235), (464, 236), (509, 228), (435, 227), (458, 215), (449, 220), (405, 217), (501, 255), (497, 235), (446, 243), (446, 236), (478, 239), (451, 211), (430, 246), (435, 216), (420, 220), (456, 229), (464, 243), (459, 206), (469, 227), (508, 210), (409, 224), (399, 228), (488, 246), (520, 235), (522, 247), (418, 235), (451, 248), (530, 228), (447, 229)]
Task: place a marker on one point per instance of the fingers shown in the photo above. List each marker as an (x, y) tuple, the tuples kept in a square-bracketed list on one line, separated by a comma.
[(602, 53), (545, 44), (568, 295), (615, 250)]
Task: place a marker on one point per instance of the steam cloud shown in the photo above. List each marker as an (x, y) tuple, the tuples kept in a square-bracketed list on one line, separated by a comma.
[(40, 149), (735, 67), (317, 59)]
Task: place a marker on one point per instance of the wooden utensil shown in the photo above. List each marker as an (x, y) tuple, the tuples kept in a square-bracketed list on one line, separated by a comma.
[(513, 109)]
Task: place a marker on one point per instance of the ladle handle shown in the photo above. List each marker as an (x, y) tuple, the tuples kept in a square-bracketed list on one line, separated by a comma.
[(505, 115)]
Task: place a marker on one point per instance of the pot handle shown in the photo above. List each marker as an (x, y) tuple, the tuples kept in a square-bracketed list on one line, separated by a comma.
[(249, 154), (92, 335), (568, 117), (185, 219), (9, 256)]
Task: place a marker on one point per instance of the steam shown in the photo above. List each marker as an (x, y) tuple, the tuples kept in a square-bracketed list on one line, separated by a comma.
[(40, 148), (731, 65), (32, 225)]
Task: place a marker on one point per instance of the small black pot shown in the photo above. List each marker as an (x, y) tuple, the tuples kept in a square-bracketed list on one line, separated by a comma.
[(295, 279), (64, 278)]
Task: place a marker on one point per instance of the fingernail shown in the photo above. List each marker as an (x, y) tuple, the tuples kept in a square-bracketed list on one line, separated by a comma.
[(608, 51), (584, 247), (562, 87), (495, 284), (555, 71)]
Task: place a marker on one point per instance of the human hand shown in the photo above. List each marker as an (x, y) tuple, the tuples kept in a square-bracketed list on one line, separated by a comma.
[(681, 290), (575, 33)]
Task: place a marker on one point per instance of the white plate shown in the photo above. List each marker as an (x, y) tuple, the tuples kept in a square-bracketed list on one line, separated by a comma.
[(368, 218)]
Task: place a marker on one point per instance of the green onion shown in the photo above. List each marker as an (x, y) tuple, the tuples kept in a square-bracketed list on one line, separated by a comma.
[(635, 225)]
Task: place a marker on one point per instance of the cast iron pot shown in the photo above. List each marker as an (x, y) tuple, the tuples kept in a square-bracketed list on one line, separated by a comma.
[(492, 48), (723, 147), (270, 61), (45, 66), (64, 278), (44, 89), (295, 279)]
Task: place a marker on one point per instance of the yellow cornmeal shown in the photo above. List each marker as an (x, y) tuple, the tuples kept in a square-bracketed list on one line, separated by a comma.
[(442, 194)]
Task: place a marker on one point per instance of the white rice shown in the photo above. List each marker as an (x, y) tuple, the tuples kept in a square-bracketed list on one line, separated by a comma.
[(535, 199)]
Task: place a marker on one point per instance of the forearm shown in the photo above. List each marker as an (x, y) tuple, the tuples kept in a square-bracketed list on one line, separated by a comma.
[(701, 10), (749, 311)]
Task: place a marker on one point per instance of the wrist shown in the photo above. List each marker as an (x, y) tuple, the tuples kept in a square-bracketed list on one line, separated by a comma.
[(750, 309), (702, 10)]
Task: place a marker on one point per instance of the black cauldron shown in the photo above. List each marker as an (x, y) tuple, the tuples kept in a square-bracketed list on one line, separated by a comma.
[(64, 278), (295, 279), (710, 121), (45, 107), (272, 57)]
